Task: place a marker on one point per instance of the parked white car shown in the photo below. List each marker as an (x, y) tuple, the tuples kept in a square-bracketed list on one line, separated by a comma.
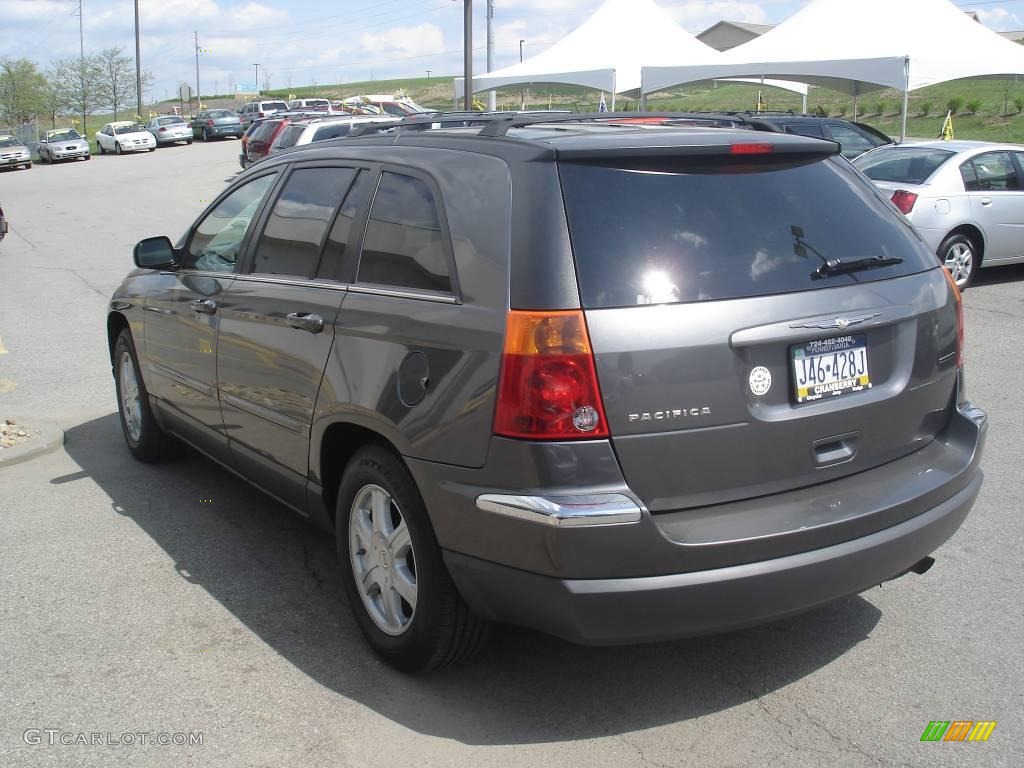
[(124, 136), (965, 198), (170, 129)]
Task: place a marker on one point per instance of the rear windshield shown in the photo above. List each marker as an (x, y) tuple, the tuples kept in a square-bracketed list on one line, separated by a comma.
[(221, 113), (289, 136), (274, 105), (170, 120), (335, 131), (713, 231), (905, 165)]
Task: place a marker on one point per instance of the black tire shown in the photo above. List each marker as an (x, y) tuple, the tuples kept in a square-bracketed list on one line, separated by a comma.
[(206, 136), (100, 149), (442, 630), (87, 157), (117, 148), (188, 141), (151, 444), (961, 255), (152, 149)]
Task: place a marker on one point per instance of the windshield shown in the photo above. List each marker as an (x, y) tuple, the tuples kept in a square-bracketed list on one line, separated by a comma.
[(133, 128), (170, 120), (905, 165), (9, 142), (63, 136), (714, 229)]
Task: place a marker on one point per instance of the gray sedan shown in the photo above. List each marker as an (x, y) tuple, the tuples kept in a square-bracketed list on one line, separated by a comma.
[(217, 123), (965, 198), (62, 144), (170, 129), (14, 154)]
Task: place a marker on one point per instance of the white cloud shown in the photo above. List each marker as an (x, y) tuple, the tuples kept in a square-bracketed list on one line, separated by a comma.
[(176, 12), (408, 41)]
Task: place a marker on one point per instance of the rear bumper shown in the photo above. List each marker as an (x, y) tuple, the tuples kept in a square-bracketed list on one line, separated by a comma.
[(521, 556), (648, 609)]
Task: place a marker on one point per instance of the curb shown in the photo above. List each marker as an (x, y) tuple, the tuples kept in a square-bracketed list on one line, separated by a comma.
[(50, 437)]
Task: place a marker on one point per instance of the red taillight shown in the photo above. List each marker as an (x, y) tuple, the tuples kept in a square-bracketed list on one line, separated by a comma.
[(958, 297), (548, 387), (262, 115), (209, 122), (904, 200), (163, 130), (750, 148)]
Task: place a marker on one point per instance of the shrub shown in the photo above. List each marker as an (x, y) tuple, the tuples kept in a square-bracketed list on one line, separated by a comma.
[(820, 111), (973, 106), (842, 110), (1019, 104), (926, 108), (879, 108), (954, 104)]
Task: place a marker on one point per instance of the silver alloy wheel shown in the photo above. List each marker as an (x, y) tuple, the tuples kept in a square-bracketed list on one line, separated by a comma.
[(959, 261), (131, 401), (383, 561)]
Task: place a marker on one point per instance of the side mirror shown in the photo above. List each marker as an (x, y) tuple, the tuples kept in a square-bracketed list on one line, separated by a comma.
[(155, 253)]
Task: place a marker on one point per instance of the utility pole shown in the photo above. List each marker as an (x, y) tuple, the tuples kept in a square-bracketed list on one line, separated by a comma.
[(467, 53), (138, 64), (492, 97), (428, 74), (81, 64), (257, 79), (199, 96), (522, 93)]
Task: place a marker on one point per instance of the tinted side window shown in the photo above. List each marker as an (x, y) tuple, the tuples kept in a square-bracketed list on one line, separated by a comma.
[(404, 243), (995, 173), (331, 132), (290, 243), (851, 142), (711, 230), (806, 130), (339, 259), (215, 243), (969, 176)]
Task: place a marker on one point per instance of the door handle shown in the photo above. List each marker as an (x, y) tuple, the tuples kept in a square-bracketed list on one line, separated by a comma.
[(206, 306), (986, 201), (305, 322)]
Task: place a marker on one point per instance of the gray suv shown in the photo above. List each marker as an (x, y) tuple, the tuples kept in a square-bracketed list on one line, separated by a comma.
[(618, 383)]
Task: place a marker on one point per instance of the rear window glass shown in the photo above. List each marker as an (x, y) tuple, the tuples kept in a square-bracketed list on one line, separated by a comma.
[(268, 105), (905, 165), (727, 230), (289, 136)]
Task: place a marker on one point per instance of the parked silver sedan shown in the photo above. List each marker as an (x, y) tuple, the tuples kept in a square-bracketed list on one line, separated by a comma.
[(170, 129), (62, 144), (966, 198)]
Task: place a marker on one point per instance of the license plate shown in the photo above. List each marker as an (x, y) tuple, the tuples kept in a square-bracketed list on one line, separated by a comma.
[(830, 367)]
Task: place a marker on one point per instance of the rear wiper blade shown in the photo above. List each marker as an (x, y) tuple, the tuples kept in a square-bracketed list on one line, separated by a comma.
[(839, 267)]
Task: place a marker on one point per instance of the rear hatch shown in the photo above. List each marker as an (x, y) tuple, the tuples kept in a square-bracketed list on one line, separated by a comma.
[(733, 362)]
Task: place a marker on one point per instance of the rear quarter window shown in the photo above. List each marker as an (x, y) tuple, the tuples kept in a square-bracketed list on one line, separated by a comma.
[(723, 230), (904, 165)]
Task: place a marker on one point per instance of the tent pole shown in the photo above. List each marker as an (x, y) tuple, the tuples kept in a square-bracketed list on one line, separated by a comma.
[(642, 105), (855, 100), (613, 90), (906, 98)]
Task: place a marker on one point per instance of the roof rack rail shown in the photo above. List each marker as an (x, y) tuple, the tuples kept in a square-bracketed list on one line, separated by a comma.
[(502, 125)]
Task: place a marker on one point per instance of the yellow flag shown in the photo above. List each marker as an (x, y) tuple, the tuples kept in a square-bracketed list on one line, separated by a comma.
[(761, 106), (946, 134)]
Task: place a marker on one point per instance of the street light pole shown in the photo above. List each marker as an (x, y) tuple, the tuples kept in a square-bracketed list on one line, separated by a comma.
[(257, 79), (138, 63), (199, 94), (467, 53)]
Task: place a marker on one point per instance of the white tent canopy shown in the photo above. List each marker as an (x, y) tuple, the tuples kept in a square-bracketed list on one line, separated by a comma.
[(607, 52), (902, 44)]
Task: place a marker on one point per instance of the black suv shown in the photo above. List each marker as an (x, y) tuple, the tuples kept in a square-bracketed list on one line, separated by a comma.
[(854, 138), (619, 383)]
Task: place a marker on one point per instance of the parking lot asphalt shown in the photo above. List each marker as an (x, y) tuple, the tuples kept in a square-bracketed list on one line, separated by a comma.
[(174, 599)]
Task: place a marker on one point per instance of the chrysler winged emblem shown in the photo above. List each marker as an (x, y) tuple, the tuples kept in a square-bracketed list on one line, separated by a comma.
[(842, 323)]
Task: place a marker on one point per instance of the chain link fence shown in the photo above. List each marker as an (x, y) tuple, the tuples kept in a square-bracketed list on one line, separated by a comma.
[(27, 134)]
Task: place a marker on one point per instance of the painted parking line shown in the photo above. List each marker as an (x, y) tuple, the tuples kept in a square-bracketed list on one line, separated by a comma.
[(3, 349)]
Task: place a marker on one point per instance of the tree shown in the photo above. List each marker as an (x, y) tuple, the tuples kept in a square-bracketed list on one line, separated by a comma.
[(78, 80), (116, 80), (54, 97), (22, 87)]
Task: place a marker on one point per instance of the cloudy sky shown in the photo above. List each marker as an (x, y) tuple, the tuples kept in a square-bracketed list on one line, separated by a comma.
[(300, 42)]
